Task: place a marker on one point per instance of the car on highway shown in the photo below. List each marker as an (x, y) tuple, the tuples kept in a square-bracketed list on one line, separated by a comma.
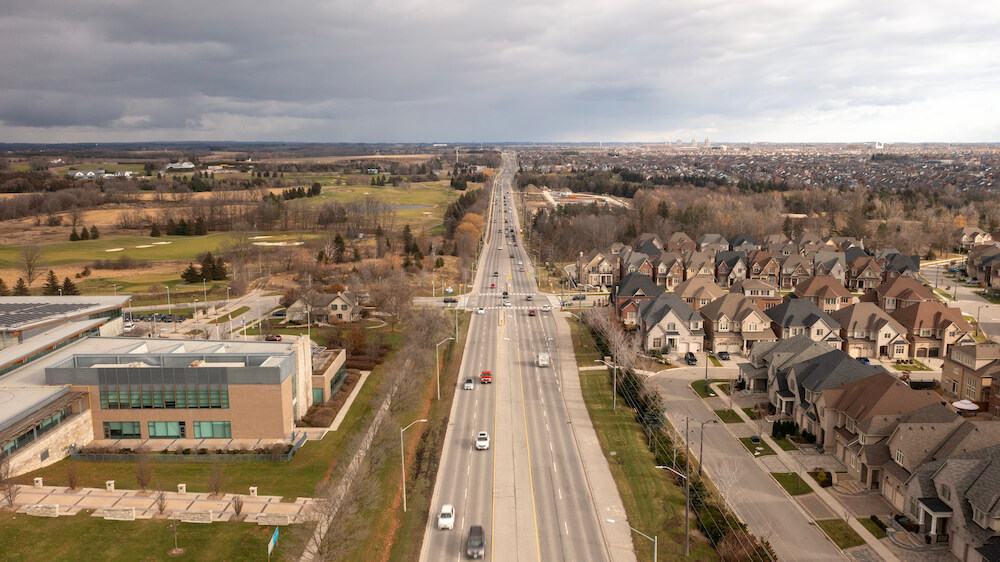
[(493, 285), (496, 274), (482, 441), (506, 303), (567, 303), (486, 377), (272, 337), (724, 355), (446, 519), (690, 359), (531, 312), (528, 298), (450, 299), (469, 384), (546, 308), (480, 310), (475, 545)]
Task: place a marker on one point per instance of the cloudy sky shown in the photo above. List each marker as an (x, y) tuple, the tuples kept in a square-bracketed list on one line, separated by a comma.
[(502, 70)]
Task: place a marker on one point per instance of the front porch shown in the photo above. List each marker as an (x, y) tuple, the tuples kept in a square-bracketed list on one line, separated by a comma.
[(933, 520)]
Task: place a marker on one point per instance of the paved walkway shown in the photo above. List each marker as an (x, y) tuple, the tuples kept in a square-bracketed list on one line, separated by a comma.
[(603, 489), (71, 502), (824, 495), (317, 433)]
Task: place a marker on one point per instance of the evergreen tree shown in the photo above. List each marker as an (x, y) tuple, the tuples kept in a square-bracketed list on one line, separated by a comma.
[(155, 231), (182, 228), (171, 227), (439, 262), (208, 267), (191, 274), (74, 235), (373, 180), (357, 255), (94, 233), (200, 228), (316, 189), (84, 233), (21, 288), (219, 271), (4, 291), (339, 247), (69, 287), (52, 285), (407, 238)]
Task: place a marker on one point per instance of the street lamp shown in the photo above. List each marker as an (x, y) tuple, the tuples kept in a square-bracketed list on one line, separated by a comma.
[(701, 445), (614, 394), (115, 287), (978, 311), (687, 487), (652, 538), (402, 458), (204, 289), (437, 364)]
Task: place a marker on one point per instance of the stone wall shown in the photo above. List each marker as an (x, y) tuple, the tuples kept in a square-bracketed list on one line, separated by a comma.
[(119, 513), (77, 430), (273, 519)]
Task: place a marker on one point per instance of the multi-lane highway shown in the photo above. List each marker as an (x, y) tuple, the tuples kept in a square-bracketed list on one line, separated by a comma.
[(529, 490)]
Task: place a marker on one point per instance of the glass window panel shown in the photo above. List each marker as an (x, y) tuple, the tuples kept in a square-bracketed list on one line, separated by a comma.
[(215, 398), (157, 397), (203, 399), (224, 395), (168, 398), (147, 398), (181, 397), (136, 398)]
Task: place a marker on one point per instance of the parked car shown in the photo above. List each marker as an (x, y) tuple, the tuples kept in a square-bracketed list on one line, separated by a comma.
[(446, 519), (272, 337), (469, 384), (724, 355), (482, 441), (690, 358), (579, 297), (450, 299), (129, 326), (864, 361)]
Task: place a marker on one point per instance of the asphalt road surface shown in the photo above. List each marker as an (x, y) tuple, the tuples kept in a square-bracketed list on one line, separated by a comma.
[(528, 490)]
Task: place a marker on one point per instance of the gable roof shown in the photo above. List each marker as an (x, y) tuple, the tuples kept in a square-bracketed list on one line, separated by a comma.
[(831, 370), (902, 264), (821, 286), (649, 248), (734, 306), (653, 311), (930, 315), (865, 317), (800, 312), (712, 239), (877, 402), (730, 258), (649, 237), (743, 239), (699, 288), (905, 288), (636, 284)]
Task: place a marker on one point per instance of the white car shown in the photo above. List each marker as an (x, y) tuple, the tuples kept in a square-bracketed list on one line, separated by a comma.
[(546, 308), (480, 310), (446, 519), (469, 384), (482, 441), (506, 303)]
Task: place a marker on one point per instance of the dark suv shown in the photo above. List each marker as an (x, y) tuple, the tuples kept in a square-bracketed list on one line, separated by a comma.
[(475, 546), (690, 358)]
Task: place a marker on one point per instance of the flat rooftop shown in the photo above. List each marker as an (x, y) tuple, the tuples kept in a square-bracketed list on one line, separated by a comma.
[(24, 313)]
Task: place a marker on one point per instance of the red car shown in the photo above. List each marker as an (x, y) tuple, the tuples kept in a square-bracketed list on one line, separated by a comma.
[(272, 337), (486, 377), (531, 312), (493, 285)]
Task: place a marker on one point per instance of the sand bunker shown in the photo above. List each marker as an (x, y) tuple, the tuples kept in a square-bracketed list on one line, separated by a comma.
[(278, 243), (261, 237), (114, 249), (145, 246), (159, 243)]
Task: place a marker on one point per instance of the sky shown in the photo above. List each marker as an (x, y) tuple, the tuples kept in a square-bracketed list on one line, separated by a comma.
[(493, 71)]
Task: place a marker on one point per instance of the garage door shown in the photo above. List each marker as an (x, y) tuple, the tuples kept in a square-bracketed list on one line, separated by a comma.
[(922, 352), (855, 352)]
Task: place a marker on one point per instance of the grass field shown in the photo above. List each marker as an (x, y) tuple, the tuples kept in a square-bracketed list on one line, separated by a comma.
[(765, 449), (586, 350), (792, 483), (841, 534), (785, 444), (84, 538), (703, 390), (874, 529), (234, 314), (728, 416)]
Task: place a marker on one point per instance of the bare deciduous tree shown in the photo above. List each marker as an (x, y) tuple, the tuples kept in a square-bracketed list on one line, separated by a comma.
[(143, 468), (29, 262), (238, 505), (8, 489), (216, 478), (72, 475), (161, 501)]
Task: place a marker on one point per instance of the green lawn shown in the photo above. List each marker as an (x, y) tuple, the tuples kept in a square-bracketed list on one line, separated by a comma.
[(841, 534), (82, 537), (874, 529), (233, 315), (915, 365), (785, 444), (701, 389), (728, 416), (653, 503), (765, 449), (792, 483), (715, 361), (172, 310), (583, 343)]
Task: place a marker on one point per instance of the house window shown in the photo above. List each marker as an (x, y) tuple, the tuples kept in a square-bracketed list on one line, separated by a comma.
[(122, 430), (723, 325), (898, 456), (343, 307), (830, 301), (954, 386), (753, 326), (819, 331), (166, 430), (630, 315), (970, 388), (671, 327), (657, 343), (317, 395), (945, 492), (979, 516)]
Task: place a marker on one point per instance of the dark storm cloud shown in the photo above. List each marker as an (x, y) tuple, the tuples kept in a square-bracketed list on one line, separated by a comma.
[(419, 70)]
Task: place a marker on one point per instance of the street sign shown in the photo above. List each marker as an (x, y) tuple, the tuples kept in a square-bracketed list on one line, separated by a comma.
[(272, 542)]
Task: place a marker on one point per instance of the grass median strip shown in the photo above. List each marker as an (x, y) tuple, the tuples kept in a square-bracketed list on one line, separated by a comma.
[(759, 449), (874, 529), (703, 390), (792, 483), (728, 416), (840, 533)]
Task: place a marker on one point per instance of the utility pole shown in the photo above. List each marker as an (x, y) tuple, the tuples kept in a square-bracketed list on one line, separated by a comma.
[(687, 489)]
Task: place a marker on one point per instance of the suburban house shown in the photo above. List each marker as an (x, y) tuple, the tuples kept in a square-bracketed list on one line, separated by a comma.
[(318, 307), (825, 292), (895, 264), (969, 371), (762, 294), (669, 324), (669, 270), (762, 266), (833, 264), (596, 269), (699, 264), (869, 331), (856, 420), (968, 237), (982, 263), (633, 289), (863, 273), (712, 244), (899, 292), (794, 393), (794, 270), (797, 316), (769, 359), (954, 499), (730, 267), (680, 243), (733, 324), (635, 262), (932, 328), (699, 291), (649, 238), (744, 243)]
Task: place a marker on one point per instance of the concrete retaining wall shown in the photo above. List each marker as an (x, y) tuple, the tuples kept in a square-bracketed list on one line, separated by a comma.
[(119, 513), (273, 519)]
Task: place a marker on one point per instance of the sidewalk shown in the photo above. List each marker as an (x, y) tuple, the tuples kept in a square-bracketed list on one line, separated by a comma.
[(829, 502), (144, 504), (604, 491)]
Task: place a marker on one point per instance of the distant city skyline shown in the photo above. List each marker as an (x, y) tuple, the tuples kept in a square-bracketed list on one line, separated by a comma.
[(447, 71)]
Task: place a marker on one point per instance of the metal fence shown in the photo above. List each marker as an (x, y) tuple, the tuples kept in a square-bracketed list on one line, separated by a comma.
[(195, 457)]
